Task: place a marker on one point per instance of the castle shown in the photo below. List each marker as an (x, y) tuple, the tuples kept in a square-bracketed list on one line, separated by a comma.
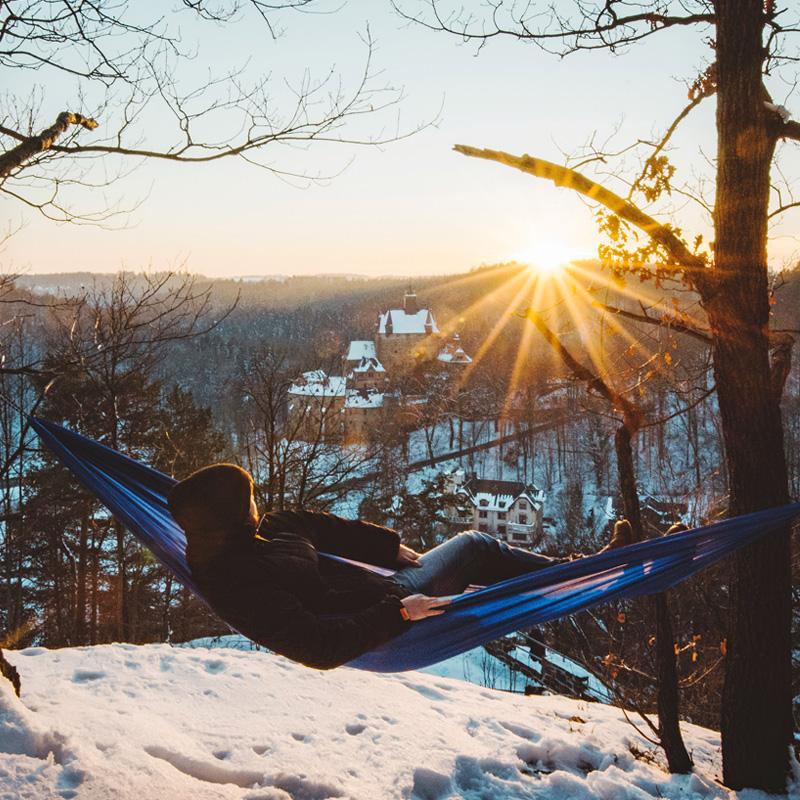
[(352, 405)]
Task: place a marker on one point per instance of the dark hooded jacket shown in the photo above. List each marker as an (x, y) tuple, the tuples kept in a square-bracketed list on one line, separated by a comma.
[(273, 586)]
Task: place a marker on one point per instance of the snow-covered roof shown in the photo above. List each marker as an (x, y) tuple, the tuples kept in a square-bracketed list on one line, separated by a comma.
[(363, 399), (453, 353), (491, 495), (369, 364), (325, 386), (403, 323), (361, 349)]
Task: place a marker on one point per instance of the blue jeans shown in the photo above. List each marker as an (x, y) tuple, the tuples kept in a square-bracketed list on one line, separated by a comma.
[(471, 557)]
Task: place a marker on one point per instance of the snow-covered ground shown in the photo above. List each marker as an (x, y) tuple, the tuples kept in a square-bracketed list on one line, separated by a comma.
[(128, 722)]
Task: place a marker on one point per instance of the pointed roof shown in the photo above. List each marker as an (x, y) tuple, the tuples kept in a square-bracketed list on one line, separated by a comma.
[(397, 321), (495, 495)]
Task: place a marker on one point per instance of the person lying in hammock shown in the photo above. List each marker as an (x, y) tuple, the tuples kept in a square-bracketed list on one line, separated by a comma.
[(265, 577)]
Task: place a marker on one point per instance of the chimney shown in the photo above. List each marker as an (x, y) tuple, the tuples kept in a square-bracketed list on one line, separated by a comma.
[(410, 303)]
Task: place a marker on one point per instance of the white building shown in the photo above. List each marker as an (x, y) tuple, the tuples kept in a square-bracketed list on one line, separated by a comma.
[(512, 511)]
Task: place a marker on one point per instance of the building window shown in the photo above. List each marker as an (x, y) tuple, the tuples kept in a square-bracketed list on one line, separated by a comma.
[(483, 503), (523, 519), (519, 537), (523, 505), (483, 528), (501, 529), (501, 515), (483, 514)]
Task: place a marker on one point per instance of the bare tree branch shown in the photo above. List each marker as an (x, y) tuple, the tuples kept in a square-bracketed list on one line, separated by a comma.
[(693, 266), (18, 156)]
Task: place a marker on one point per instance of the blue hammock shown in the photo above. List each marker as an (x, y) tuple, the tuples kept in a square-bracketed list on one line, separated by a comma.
[(136, 495)]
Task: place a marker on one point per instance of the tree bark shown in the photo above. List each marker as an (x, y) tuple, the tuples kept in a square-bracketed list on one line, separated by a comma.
[(668, 698), (669, 732), (756, 707), (81, 583), (8, 670), (20, 155)]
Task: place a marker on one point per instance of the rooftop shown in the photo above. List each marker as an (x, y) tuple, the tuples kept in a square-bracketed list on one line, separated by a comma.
[(453, 353), (495, 495), (362, 399), (361, 349), (319, 385), (367, 364), (400, 322)]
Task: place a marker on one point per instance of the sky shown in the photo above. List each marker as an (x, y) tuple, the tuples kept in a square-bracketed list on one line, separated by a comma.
[(409, 207)]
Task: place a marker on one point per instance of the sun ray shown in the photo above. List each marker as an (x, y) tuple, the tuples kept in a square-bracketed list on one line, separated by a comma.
[(523, 351), (613, 321), (510, 309), (454, 322), (578, 318), (627, 291), (482, 274)]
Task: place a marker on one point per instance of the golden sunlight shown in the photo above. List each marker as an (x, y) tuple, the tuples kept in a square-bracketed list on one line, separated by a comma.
[(549, 256)]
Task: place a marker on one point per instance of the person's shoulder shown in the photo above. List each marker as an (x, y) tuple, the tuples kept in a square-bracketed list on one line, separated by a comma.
[(274, 522)]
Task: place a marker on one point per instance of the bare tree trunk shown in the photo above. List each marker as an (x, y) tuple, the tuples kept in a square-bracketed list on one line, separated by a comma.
[(94, 594), (80, 580), (121, 605), (669, 732), (668, 699), (756, 708)]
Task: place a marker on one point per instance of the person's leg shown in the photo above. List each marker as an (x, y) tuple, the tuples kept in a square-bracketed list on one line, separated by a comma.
[(471, 557)]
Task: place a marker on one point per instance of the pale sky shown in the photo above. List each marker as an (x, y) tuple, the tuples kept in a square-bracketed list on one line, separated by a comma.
[(413, 206)]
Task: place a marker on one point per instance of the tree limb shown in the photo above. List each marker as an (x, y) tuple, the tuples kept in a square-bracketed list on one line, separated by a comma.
[(631, 414), (676, 324), (693, 266), (18, 156)]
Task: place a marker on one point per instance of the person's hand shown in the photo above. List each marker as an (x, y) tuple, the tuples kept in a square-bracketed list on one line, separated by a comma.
[(406, 557), (420, 606)]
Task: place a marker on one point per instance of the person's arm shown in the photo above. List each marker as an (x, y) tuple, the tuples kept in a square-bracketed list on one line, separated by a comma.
[(349, 538)]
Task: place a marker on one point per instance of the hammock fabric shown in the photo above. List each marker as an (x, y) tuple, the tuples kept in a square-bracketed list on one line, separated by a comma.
[(136, 494)]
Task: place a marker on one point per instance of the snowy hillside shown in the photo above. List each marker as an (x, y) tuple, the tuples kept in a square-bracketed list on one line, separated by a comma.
[(131, 723)]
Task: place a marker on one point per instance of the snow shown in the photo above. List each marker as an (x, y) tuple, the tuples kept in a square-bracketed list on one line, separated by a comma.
[(326, 386), (407, 323), (369, 364), (491, 495), (453, 353), (126, 722), (357, 399), (361, 349)]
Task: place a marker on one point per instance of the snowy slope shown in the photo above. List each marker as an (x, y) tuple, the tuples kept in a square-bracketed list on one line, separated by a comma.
[(133, 723)]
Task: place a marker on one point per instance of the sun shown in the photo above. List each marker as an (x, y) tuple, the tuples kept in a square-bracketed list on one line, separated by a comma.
[(549, 256)]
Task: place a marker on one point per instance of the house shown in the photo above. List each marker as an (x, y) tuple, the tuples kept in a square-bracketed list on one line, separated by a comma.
[(315, 405), (453, 354), (363, 409), (406, 334), (511, 511), (364, 371), (353, 404)]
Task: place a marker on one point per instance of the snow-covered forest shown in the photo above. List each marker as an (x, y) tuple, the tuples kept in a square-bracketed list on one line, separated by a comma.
[(176, 372)]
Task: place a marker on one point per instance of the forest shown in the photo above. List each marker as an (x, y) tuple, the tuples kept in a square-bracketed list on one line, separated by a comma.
[(181, 371)]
